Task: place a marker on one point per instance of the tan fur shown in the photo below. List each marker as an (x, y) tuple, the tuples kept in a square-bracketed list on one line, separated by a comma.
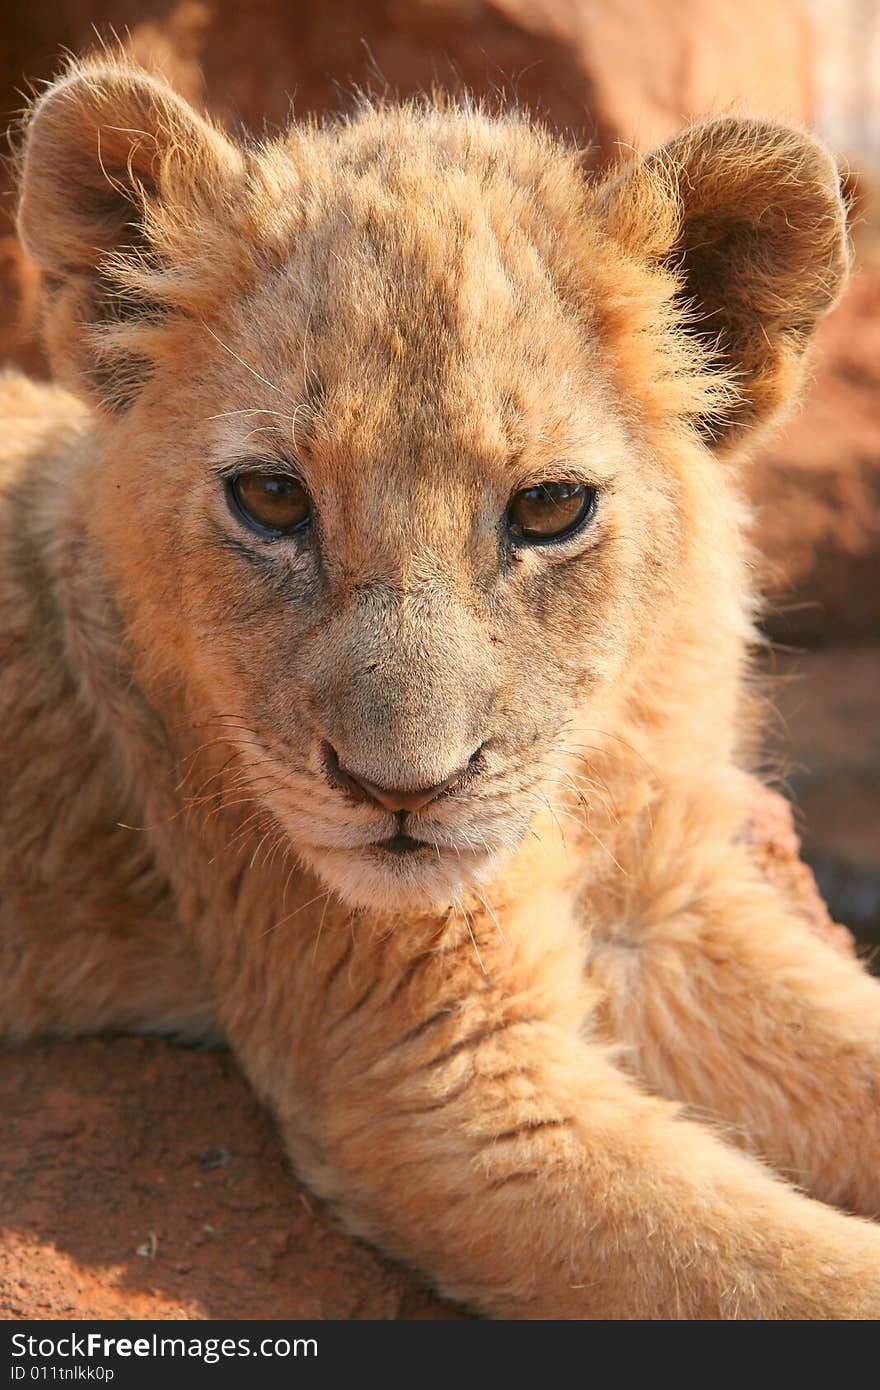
[(478, 1056)]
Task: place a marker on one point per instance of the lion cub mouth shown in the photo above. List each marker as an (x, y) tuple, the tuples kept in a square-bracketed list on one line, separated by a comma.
[(401, 843)]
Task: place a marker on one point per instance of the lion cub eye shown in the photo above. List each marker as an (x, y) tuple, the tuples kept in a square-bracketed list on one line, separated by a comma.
[(549, 511), (272, 504)]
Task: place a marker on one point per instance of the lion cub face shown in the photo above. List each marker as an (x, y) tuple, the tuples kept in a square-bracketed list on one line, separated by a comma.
[(403, 434), (412, 548)]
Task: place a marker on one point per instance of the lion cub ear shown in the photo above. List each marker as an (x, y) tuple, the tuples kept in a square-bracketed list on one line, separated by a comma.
[(748, 216), (110, 155)]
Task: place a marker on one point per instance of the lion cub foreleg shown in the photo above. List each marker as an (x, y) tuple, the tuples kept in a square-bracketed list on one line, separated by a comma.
[(733, 1004), (450, 1110), (63, 974)]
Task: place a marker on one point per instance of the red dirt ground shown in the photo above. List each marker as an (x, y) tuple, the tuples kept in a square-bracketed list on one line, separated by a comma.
[(143, 1180)]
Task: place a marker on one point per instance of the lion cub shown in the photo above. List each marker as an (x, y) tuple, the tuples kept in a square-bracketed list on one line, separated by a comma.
[(374, 618)]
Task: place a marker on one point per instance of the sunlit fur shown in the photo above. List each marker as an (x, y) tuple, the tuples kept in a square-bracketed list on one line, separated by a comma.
[(475, 1051)]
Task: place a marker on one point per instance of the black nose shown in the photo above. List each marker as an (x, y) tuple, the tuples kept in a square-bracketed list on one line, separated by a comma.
[(390, 798)]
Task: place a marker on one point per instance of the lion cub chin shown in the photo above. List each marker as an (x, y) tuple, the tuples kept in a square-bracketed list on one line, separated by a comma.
[(374, 608)]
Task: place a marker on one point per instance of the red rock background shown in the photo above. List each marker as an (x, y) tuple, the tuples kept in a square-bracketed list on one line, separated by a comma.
[(140, 1180)]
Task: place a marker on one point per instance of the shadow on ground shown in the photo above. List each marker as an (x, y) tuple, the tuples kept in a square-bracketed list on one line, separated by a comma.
[(142, 1180)]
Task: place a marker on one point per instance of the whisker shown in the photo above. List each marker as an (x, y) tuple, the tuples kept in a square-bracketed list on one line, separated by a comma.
[(295, 913), (320, 928), (251, 410), (461, 908), (254, 373), (491, 911)]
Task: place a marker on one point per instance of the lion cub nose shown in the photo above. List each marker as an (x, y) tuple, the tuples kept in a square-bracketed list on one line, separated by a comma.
[(392, 799)]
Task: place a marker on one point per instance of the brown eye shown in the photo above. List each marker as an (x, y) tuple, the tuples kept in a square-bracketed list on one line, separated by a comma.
[(550, 511), (272, 504)]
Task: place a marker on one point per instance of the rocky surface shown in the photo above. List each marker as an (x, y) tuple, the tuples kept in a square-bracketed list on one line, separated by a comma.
[(630, 70), (825, 742), (817, 486)]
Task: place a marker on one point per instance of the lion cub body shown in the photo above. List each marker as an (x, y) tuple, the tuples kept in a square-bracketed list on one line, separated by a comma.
[(475, 1043)]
